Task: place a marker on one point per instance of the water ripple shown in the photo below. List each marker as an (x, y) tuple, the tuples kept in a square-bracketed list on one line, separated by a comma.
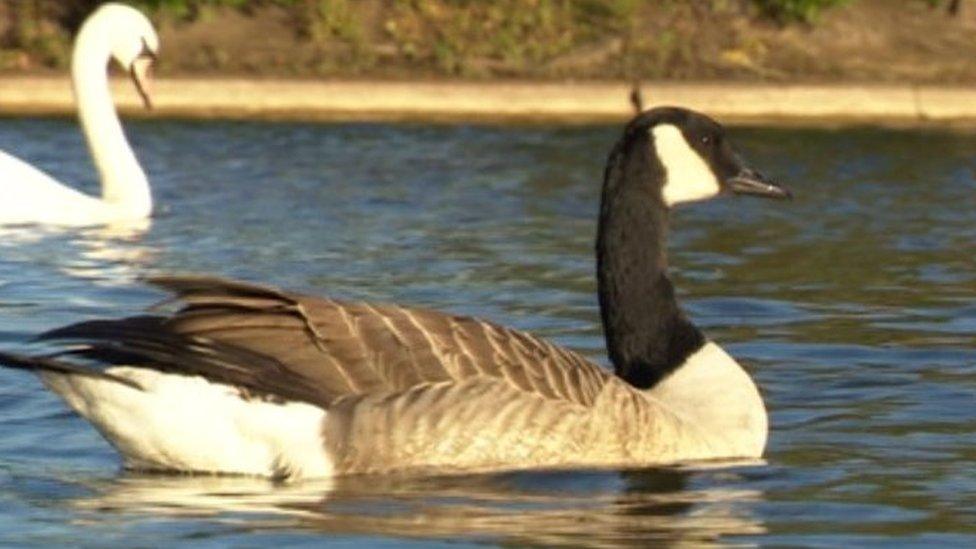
[(852, 306)]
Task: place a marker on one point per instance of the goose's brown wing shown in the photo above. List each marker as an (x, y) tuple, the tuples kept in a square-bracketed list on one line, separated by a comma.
[(317, 349)]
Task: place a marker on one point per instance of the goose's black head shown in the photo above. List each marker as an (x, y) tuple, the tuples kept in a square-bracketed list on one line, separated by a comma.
[(667, 156), (690, 158)]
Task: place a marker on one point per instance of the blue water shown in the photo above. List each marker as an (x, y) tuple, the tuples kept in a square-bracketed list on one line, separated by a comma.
[(854, 307)]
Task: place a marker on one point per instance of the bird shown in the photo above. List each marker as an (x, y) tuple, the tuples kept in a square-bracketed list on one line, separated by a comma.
[(241, 378), (636, 97), (31, 196)]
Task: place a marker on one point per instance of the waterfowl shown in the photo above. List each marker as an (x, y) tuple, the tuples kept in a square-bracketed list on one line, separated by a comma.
[(113, 31), (253, 380)]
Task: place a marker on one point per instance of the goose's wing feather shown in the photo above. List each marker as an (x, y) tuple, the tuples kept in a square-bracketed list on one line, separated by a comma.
[(318, 350)]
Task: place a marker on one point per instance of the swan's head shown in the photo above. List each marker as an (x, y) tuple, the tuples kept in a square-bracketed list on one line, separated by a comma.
[(133, 43), (694, 160)]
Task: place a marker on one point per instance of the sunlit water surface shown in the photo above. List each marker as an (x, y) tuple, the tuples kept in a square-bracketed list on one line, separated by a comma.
[(853, 306)]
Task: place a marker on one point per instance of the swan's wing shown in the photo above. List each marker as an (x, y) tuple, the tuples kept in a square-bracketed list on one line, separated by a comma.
[(15, 170), (31, 195), (317, 349), (17, 176)]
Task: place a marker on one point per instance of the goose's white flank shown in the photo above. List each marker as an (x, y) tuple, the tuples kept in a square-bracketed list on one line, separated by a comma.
[(251, 380), (113, 31)]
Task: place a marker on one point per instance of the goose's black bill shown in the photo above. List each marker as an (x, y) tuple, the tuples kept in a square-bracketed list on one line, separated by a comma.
[(754, 183)]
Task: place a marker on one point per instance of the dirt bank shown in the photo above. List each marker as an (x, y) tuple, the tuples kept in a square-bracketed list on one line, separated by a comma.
[(507, 101)]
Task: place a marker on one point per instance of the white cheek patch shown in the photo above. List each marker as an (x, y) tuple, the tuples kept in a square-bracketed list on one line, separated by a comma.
[(687, 176)]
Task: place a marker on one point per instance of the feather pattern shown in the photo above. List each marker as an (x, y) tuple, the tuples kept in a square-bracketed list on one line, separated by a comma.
[(404, 389), (318, 350)]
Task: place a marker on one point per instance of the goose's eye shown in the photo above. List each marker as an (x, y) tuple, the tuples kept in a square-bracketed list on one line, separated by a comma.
[(706, 140)]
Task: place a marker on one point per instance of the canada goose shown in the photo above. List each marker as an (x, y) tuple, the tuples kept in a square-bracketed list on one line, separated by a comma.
[(113, 31), (252, 380)]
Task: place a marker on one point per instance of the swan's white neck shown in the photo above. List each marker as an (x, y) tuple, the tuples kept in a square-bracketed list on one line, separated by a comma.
[(714, 394), (124, 184)]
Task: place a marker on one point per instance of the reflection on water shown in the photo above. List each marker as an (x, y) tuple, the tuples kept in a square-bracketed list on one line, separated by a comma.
[(557, 508), (114, 252), (852, 306), (109, 254)]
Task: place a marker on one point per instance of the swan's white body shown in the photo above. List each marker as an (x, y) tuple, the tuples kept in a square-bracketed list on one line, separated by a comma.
[(31, 196)]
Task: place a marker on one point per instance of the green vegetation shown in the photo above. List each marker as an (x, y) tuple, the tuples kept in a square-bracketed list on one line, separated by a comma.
[(800, 10), (32, 32), (467, 37), (682, 39), (795, 10), (186, 8), (782, 10)]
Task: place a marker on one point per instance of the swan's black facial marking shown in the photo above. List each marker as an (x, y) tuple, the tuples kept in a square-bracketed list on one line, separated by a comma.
[(148, 52)]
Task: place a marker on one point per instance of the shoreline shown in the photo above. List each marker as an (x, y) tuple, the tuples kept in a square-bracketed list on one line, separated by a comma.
[(465, 101)]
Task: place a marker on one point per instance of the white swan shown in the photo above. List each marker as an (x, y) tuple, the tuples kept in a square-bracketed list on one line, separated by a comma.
[(28, 195)]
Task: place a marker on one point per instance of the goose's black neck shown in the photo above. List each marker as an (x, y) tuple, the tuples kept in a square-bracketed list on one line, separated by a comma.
[(647, 334)]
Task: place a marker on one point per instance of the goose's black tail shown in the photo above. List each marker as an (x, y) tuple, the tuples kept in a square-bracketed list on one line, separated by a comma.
[(52, 364)]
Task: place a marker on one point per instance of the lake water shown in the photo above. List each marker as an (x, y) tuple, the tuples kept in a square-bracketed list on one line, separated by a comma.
[(854, 306)]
